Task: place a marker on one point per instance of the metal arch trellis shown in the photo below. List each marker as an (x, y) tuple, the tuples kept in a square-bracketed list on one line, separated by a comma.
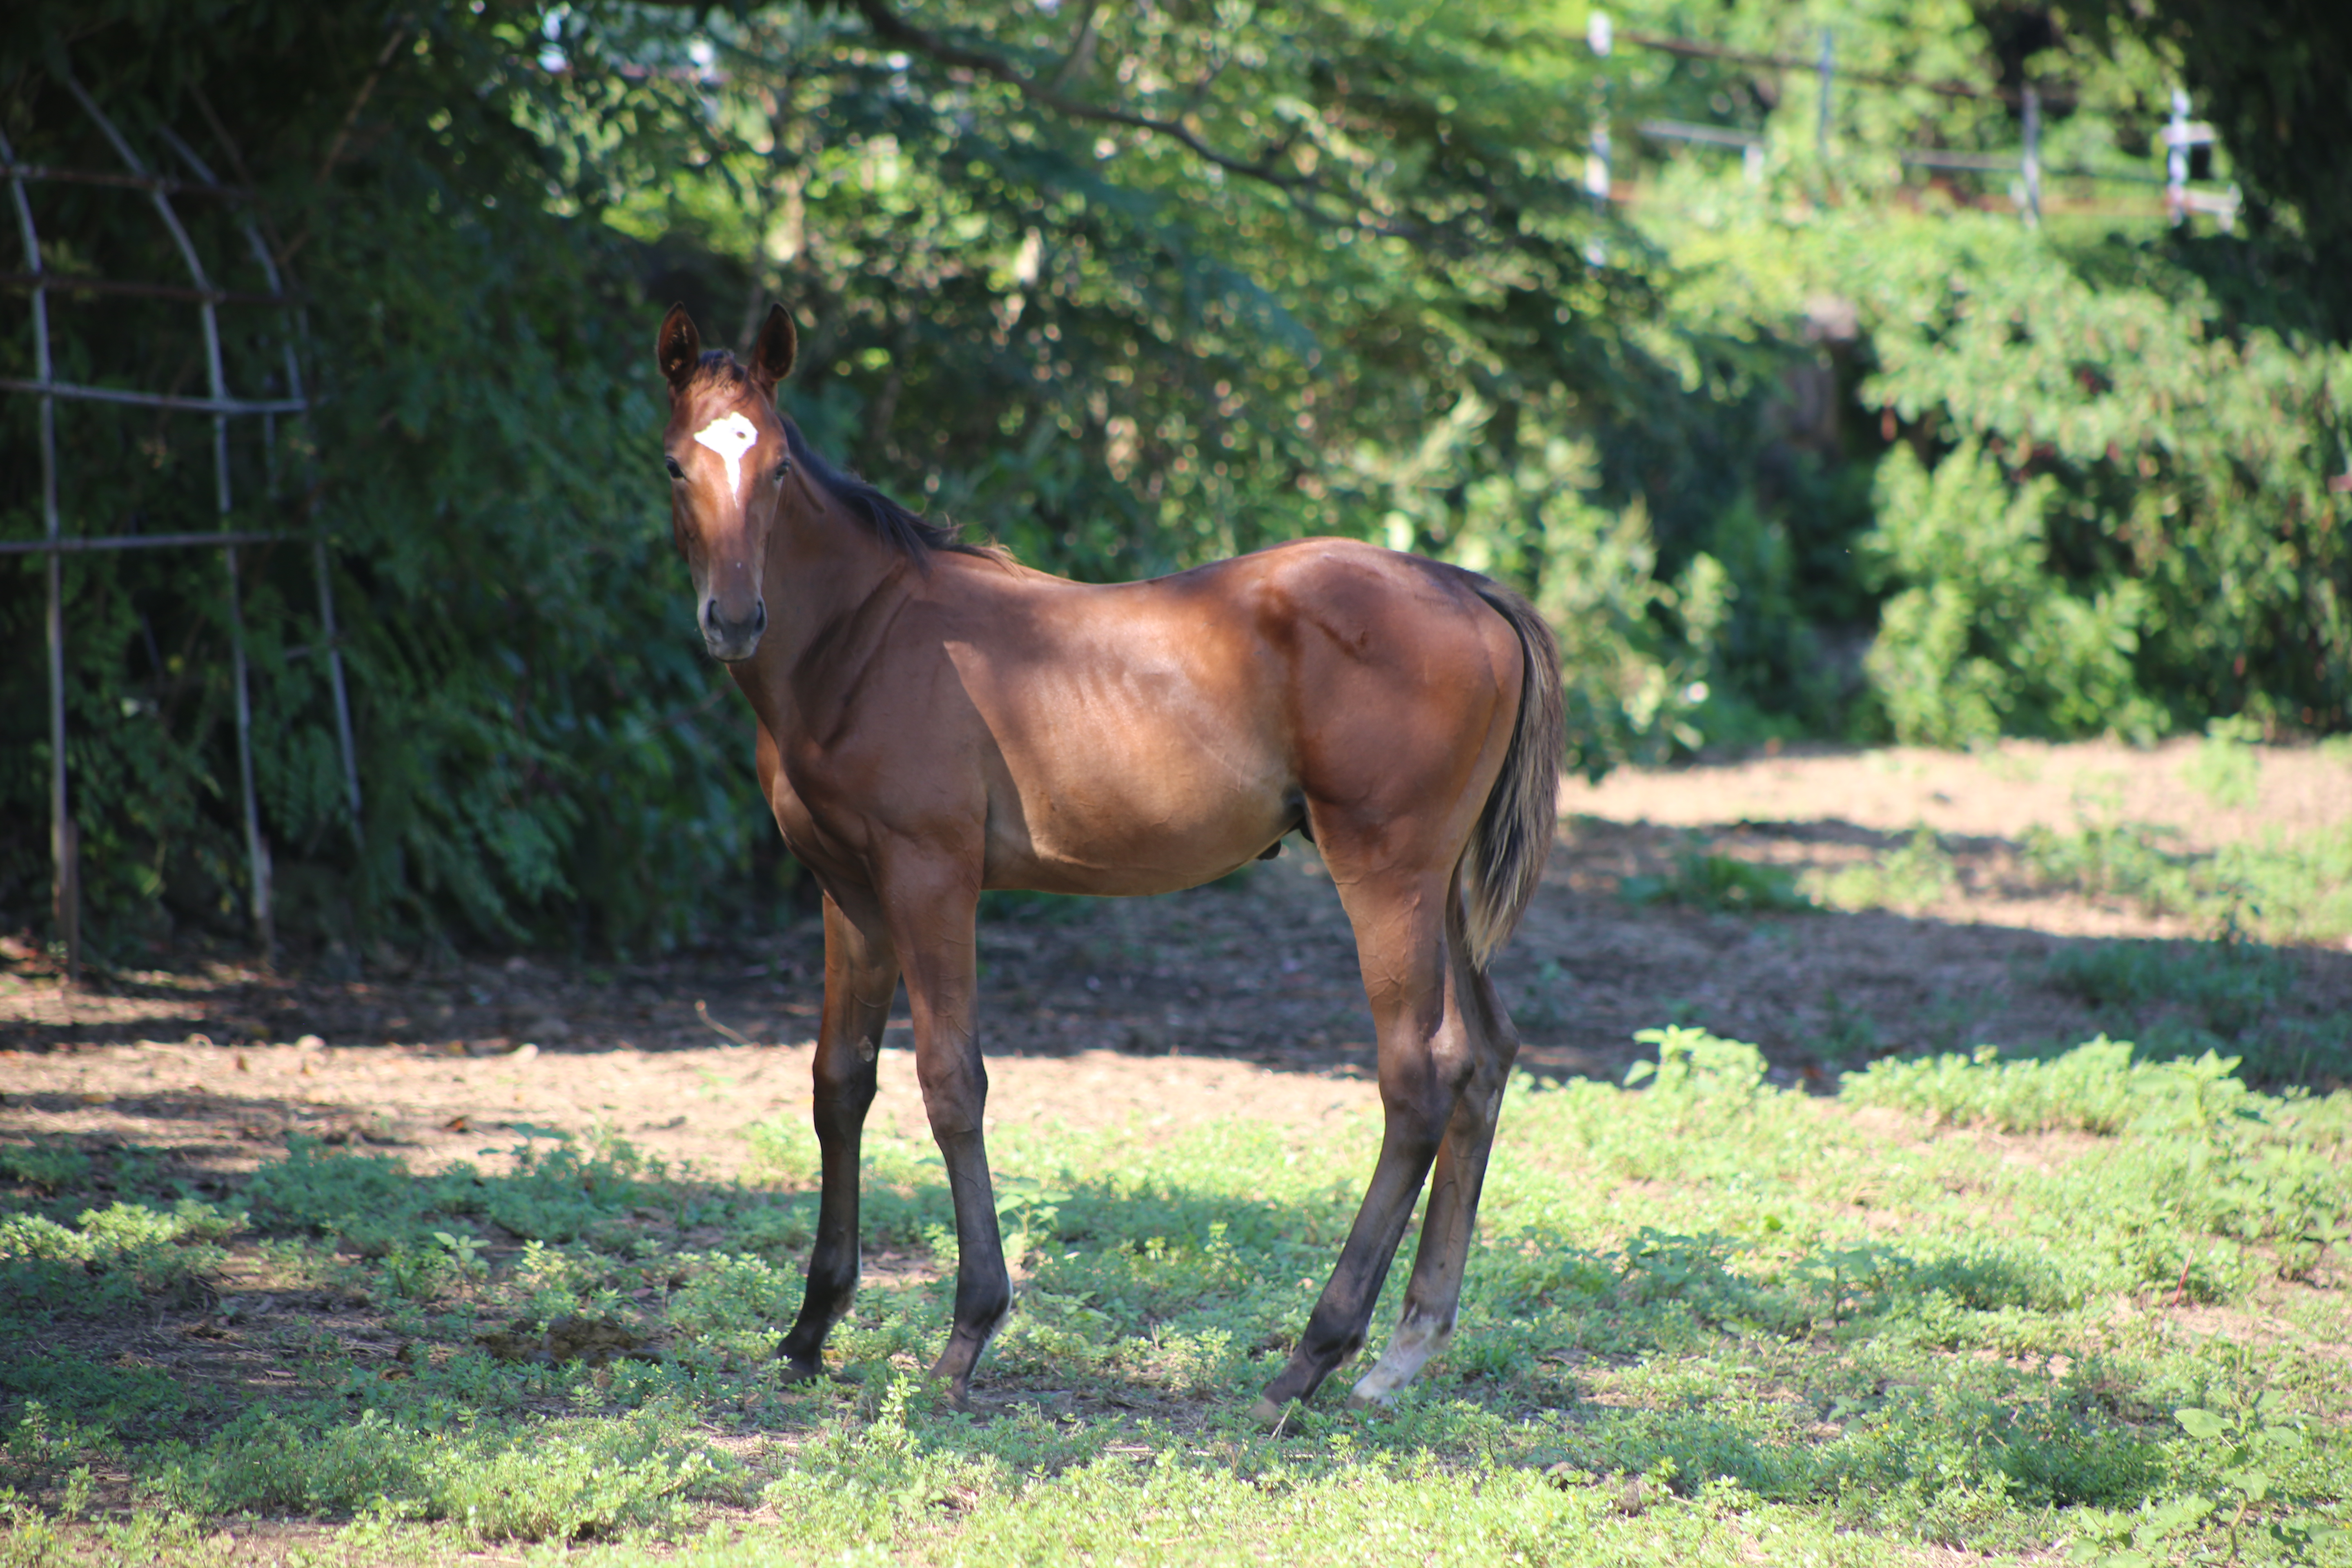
[(55, 544)]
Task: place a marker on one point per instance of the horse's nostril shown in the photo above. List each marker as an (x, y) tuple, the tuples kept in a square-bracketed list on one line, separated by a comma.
[(758, 617)]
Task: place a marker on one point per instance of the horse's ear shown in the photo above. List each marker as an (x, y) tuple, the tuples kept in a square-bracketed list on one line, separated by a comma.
[(679, 349), (772, 356)]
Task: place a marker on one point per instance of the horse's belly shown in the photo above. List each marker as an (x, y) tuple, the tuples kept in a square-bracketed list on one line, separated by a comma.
[(1163, 823)]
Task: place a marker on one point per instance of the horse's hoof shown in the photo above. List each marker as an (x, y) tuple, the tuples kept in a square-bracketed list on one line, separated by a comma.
[(1360, 1400), (792, 1371), (1267, 1415)]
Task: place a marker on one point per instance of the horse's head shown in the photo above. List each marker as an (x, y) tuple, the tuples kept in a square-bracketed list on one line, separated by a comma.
[(727, 455)]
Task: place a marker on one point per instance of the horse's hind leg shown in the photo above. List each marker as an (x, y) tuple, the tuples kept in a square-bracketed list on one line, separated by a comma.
[(1423, 1063), (861, 975), (1435, 1294)]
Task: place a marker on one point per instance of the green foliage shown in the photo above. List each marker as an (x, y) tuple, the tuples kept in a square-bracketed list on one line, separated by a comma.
[(110, 1255), (545, 1480), (2261, 77), (2227, 770), (2095, 1088), (1696, 1068), (1711, 881), (531, 713), (2227, 985), (1914, 874), (1981, 639), (46, 1166), (2271, 887), (372, 1201)]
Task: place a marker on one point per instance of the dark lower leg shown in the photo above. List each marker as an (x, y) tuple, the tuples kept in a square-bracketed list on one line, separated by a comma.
[(983, 1287), (1335, 1331), (834, 1262), (860, 978)]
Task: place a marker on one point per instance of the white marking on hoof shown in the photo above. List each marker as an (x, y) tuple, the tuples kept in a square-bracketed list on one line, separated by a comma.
[(1408, 1351), (729, 438)]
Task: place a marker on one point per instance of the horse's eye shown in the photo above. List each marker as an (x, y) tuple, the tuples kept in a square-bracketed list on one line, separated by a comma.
[(782, 468), (671, 464)]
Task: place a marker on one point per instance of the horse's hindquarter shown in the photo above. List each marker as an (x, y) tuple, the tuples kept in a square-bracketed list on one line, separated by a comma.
[(1154, 735)]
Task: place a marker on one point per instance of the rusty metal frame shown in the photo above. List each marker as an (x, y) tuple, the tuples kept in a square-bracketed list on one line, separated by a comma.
[(55, 544)]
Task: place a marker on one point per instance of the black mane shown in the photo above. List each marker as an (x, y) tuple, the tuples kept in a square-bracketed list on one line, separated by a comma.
[(910, 531)]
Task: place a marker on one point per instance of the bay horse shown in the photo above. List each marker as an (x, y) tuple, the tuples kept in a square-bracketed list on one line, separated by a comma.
[(935, 719)]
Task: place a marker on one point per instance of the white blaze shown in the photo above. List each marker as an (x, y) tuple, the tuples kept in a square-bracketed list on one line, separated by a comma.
[(729, 438)]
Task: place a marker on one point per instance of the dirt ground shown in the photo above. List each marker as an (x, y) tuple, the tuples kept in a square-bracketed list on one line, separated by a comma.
[(1235, 1000)]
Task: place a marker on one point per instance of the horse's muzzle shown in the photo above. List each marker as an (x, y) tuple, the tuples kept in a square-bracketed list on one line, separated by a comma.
[(731, 641)]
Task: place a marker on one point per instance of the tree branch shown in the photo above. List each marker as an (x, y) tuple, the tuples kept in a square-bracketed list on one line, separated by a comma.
[(891, 29)]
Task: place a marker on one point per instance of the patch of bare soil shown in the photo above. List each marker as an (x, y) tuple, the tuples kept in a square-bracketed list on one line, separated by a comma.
[(1241, 999)]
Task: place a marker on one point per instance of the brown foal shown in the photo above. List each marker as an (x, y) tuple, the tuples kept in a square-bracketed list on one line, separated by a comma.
[(935, 719)]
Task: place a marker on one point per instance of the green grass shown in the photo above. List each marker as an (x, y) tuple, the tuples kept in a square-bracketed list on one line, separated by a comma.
[(2016, 1306), (2276, 889)]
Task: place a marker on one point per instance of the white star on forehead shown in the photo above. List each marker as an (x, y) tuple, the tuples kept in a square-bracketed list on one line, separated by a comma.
[(729, 438)]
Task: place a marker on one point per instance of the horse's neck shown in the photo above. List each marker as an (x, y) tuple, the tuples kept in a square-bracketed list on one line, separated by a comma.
[(830, 593)]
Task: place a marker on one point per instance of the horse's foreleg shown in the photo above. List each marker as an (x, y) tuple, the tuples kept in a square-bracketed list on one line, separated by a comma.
[(942, 983), (861, 975), (1434, 1297), (1422, 1063)]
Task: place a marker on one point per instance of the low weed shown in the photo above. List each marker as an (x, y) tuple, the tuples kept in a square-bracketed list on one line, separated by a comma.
[(2273, 888), (2095, 1088), (46, 1167), (1720, 882), (1910, 877), (111, 1257), (560, 1479), (2226, 987)]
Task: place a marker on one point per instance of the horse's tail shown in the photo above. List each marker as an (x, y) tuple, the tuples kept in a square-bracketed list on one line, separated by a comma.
[(1505, 858)]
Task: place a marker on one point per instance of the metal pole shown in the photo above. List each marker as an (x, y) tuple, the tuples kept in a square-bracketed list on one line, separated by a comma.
[(256, 851), (1827, 69), (269, 265), (1601, 36), (2176, 160), (2032, 158), (65, 846)]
